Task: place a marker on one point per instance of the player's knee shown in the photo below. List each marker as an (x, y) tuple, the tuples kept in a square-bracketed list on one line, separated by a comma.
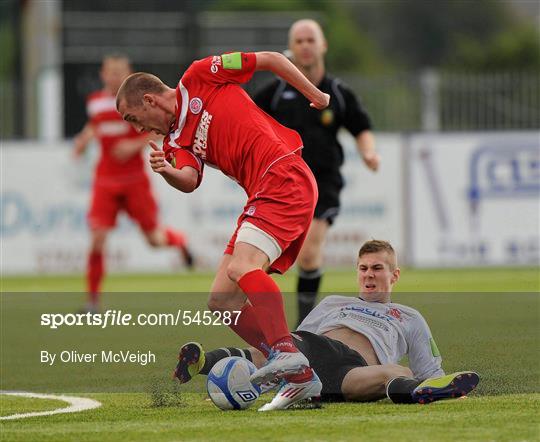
[(308, 263), (153, 239), (310, 258), (153, 242), (214, 305), (97, 247), (225, 302), (238, 268), (98, 242)]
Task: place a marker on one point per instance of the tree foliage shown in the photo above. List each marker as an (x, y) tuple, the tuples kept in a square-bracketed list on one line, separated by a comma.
[(371, 36)]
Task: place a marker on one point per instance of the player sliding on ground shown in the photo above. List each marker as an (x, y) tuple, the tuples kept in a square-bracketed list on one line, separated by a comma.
[(355, 344), (209, 119)]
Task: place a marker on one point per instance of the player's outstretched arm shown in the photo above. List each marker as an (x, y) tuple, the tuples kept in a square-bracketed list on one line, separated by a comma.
[(184, 179), (281, 66), (82, 139), (124, 149)]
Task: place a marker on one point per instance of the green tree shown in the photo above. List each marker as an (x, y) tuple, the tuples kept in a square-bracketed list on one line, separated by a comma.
[(469, 34), (351, 49)]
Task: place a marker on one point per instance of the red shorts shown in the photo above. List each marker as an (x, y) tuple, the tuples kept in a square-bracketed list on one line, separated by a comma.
[(282, 206), (133, 196)]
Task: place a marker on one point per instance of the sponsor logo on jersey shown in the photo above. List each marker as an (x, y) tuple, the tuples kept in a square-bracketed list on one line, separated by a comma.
[(201, 135), (195, 105), (370, 312), (216, 62), (251, 210), (369, 321)]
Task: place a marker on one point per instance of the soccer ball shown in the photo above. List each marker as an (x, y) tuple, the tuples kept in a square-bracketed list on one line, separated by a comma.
[(229, 386)]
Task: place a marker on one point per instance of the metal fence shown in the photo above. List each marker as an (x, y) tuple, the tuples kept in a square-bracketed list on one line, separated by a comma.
[(408, 101), (451, 101)]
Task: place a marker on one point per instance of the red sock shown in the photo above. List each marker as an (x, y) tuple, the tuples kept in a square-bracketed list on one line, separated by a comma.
[(247, 327), (94, 276), (175, 237), (267, 302)]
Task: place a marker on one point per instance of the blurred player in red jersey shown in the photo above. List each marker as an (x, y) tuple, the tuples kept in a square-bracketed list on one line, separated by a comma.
[(209, 119), (120, 182)]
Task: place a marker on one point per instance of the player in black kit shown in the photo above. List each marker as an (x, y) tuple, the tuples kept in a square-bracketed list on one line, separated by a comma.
[(322, 151)]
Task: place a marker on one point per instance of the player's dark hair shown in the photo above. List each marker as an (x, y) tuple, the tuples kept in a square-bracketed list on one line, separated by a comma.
[(377, 245), (136, 85)]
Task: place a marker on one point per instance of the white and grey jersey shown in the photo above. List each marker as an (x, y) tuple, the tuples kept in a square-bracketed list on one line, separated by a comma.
[(394, 331)]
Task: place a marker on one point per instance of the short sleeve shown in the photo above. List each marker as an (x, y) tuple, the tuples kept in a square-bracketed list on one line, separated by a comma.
[(356, 119), (179, 158), (87, 108), (424, 356), (234, 67)]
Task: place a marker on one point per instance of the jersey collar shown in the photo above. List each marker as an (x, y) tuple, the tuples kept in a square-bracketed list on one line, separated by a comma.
[(182, 101)]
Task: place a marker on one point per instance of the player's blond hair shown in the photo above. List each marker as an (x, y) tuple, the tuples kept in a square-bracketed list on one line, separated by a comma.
[(376, 246), (136, 85)]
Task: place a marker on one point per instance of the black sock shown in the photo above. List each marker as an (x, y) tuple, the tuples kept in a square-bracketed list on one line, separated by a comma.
[(307, 288), (212, 357), (400, 390)]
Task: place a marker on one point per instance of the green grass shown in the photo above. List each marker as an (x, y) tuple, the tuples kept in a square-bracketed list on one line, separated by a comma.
[(482, 319), (131, 417), (16, 404), (504, 279)]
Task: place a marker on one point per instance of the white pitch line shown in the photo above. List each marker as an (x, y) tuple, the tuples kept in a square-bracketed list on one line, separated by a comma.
[(75, 404)]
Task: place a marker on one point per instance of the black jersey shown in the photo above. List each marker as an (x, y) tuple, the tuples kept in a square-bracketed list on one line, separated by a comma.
[(318, 128)]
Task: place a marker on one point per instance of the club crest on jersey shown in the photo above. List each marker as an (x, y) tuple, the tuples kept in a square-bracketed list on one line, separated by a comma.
[(327, 117), (201, 135), (195, 105), (395, 313)]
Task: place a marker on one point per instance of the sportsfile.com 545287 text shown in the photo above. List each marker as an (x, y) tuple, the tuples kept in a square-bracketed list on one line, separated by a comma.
[(115, 318)]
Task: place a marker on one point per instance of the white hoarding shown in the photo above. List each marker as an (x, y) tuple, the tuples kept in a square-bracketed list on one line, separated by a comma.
[(45, 196), (474, 199), (371, 203)]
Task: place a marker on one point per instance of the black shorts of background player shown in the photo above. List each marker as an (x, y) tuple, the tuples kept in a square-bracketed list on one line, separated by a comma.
[(322, 151)]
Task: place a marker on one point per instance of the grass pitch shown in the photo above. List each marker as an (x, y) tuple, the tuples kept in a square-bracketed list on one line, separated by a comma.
[(131, 417), (482, 320)]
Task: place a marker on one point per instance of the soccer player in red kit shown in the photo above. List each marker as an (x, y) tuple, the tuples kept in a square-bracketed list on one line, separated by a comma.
[(120, 181), (209, 119)]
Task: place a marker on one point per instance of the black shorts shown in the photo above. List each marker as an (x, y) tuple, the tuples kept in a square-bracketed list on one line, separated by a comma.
[(329, 185), (330, 359)]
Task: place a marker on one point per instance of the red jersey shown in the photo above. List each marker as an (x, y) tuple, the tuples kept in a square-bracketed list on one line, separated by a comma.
[(109, 128), (217, 122)]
